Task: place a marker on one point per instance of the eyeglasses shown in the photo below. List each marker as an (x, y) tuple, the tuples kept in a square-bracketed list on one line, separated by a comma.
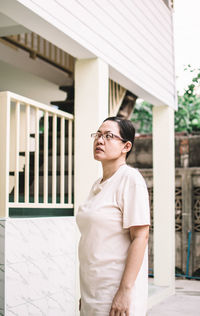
[(106, 136)]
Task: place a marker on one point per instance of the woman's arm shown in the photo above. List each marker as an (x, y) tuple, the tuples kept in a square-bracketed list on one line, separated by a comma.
[(139, 237)]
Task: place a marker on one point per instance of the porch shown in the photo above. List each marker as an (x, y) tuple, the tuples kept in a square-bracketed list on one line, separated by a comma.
[(38, 230), (52, 190)]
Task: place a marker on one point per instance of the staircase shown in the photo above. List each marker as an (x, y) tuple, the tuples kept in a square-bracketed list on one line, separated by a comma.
[(50, 162), (68, 104), (41, 166)]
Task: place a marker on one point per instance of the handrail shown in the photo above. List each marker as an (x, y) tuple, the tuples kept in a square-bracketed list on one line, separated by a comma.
[(39, 47), (21, 117), (25, 100)]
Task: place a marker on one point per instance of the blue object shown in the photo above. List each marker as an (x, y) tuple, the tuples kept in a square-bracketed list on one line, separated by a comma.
[(187, 263), (188, 254)]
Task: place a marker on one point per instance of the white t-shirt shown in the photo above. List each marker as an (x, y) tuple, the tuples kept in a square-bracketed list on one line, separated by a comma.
[(104, 220)]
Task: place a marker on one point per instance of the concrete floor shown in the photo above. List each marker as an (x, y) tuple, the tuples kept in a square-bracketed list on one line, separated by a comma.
[(185, 302)]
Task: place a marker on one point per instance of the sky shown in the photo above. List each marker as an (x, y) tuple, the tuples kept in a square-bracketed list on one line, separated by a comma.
[(186, 39)]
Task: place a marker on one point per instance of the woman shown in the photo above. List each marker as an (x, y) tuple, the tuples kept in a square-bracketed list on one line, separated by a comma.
[(114, 225)]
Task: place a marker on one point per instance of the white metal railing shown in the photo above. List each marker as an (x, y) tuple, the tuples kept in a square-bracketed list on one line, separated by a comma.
[(20, 135)]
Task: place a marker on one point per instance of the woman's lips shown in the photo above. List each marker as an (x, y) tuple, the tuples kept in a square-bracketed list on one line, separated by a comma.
[(97, 149)]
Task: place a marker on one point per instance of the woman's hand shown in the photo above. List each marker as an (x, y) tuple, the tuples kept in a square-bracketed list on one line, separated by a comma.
[(121, 303)]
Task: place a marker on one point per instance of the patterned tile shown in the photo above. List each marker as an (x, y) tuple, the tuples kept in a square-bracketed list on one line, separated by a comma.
[(40, 266)]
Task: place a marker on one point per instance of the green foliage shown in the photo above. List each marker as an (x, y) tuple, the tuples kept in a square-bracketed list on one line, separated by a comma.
[(143, 115), (187, 118)]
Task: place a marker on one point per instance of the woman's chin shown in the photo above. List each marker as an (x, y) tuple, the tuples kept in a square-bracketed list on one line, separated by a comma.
[(97, 156)]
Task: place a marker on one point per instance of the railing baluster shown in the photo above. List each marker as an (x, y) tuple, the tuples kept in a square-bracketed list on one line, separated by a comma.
[(54, 158), (71, 63), (60, 58), (27, 157), (38, 44), (17, 135), (65, 59), (46, 157), (27, 117), (62, 159), (113, 98), (117, 93), (26, 39), (32, 41), (36, 160), (45, 47), (110, 95), (69, 161), (50, 50), (55, 54)]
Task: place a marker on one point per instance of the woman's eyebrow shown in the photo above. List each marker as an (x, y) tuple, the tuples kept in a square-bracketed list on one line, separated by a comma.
[(99, 131)]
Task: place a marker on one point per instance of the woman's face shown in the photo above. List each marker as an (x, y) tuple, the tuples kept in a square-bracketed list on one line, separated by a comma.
[(106, 149)]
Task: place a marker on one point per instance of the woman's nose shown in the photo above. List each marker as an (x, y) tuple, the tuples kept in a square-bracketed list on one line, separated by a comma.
[(100, 139)]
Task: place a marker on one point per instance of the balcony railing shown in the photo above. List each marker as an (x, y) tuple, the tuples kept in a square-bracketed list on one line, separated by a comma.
[(36, 143), (37, 46)]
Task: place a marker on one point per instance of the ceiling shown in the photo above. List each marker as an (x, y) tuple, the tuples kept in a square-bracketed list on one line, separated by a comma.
[(10, 27)]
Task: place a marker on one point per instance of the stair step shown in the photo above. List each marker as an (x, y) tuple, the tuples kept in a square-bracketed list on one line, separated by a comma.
[(66, 106), (65, 103), (21, 162), (11, 183), (69, 90)]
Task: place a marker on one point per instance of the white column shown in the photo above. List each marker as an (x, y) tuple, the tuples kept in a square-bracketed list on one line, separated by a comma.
[(91, 108), (164, 196)]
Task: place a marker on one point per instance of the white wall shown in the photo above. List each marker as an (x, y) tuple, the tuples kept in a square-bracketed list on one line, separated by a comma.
[(8, 26), (26, 84), (135, 38)]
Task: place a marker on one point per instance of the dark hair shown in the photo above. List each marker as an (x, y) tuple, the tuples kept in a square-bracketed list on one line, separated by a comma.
[(126, 130)]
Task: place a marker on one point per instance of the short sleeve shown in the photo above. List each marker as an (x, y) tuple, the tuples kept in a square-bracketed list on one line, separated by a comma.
[(135, 203)]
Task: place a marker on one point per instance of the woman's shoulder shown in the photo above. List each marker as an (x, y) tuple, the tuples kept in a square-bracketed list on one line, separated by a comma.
[(133, 175)]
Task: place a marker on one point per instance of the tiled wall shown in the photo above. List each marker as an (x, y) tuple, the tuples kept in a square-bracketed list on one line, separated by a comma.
[(39, 266)]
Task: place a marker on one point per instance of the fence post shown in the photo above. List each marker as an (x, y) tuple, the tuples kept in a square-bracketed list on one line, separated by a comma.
[(4, 152)]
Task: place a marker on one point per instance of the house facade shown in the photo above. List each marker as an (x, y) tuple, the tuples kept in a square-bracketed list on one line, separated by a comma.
[(94, 51)]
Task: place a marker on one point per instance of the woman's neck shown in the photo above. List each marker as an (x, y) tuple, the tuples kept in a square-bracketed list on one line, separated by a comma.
[(109, 168)]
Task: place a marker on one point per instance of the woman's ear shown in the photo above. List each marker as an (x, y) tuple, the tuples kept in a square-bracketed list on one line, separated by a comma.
[(127, 147)]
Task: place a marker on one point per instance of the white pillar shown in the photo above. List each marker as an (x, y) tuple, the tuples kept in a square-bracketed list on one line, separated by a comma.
[(91, 108), (164, 196)]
